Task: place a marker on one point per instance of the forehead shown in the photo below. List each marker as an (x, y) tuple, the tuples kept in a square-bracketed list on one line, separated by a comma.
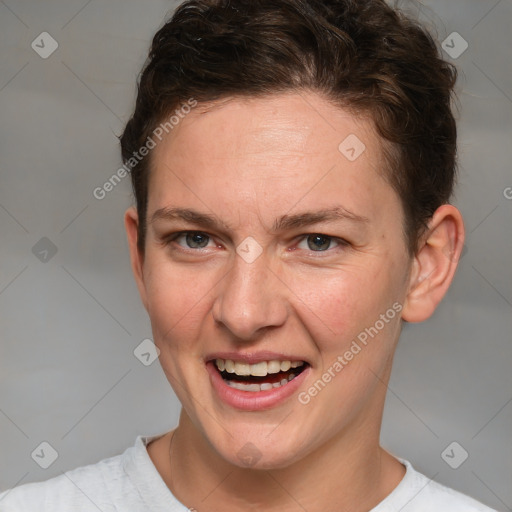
[(271, 154), (283, 124)]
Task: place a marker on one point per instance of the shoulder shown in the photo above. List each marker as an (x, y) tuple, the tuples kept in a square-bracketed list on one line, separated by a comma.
[(439, 497), (88, 488), (418, 493)]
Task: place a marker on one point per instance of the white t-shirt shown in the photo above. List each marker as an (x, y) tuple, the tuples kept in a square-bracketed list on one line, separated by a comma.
[(131, 483)]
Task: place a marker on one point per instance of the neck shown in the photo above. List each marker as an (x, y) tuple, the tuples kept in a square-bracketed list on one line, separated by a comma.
[(349, 473)]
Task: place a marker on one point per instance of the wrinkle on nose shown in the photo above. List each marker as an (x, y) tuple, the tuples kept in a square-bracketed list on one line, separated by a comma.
[(249, 300)]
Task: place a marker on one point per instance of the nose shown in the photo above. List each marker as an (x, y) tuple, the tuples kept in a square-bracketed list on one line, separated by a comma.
[(250, 300)]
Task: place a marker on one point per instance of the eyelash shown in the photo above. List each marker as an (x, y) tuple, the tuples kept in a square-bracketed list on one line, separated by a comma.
[(341, 243)]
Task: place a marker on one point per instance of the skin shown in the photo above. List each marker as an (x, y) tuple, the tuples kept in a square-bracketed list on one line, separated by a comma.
[(248, 162)]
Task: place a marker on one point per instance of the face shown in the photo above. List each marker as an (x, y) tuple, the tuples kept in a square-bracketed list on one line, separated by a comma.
[(272, 250)]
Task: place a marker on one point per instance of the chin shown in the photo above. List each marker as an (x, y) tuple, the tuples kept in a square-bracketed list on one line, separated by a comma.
[(259, 452)]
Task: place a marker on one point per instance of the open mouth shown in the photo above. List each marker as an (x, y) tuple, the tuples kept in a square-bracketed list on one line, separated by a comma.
[(262, 376)]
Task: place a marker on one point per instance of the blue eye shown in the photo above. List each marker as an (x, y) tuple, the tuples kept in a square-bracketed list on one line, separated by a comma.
[(318, 242), (315, 242), (193, 239)]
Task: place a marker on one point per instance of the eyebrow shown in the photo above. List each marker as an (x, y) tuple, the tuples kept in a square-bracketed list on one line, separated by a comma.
[(189, 215), (283, 223), (301, 220)]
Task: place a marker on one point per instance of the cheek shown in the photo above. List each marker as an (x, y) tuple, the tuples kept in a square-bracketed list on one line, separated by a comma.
[(177, 300), (340, 305)]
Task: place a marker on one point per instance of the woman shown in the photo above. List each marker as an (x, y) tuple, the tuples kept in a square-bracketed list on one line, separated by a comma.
[(292, 164)]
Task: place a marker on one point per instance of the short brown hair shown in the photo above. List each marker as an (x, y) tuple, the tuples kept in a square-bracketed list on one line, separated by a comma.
[(360, 54)]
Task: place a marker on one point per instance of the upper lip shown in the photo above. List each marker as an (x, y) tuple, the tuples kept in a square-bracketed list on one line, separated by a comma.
[(254, 357)]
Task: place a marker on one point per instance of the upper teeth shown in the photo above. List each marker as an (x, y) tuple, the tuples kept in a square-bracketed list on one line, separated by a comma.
[(258, 369)]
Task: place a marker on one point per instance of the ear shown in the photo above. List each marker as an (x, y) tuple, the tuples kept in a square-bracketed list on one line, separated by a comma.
[(131, 224), (434, 264)]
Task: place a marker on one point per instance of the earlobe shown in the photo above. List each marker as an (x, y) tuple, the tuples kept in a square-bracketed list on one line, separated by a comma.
[(434, 264), (131, 223)]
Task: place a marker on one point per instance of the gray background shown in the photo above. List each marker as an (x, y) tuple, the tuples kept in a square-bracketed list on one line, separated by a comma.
[(69, 325)]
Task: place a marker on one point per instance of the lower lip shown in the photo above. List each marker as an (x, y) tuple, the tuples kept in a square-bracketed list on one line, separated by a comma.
[(253, 400)]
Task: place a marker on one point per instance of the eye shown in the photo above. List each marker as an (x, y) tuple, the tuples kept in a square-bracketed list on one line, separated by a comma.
[(318, 242), (192, 239)]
